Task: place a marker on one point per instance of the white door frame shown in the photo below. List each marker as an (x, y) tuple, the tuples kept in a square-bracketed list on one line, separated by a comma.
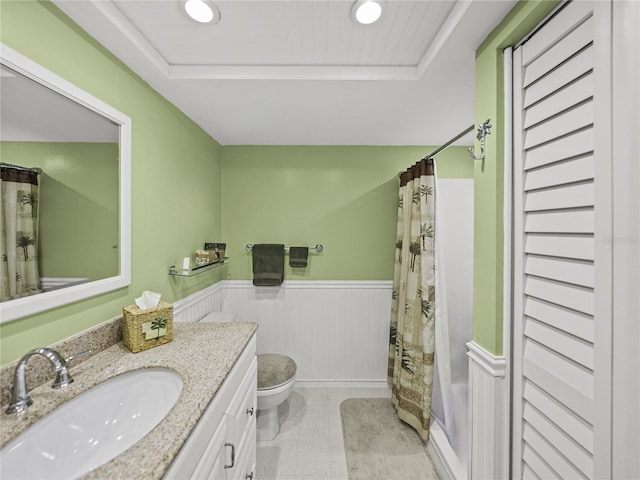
[(626, 239)]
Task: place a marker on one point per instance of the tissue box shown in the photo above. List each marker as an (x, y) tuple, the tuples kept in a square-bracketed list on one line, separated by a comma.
[(145, 329)]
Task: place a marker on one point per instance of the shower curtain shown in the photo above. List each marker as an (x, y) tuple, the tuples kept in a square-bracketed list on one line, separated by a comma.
[(19, 233), (413, 311), (442, 406)]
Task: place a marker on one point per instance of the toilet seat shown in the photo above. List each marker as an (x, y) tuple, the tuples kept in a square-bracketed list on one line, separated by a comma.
[(274, 371), (276, 391)]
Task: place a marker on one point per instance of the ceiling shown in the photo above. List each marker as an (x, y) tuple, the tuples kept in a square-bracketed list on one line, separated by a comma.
[(302, 72)]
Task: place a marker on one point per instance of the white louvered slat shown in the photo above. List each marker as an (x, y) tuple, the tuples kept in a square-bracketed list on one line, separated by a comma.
[(569, 221), (537, 466), (572, 375), (569, 396), (570, 321), (560, 269), (571, 424), (570, 95), (551, 456), (578, 143), (570, 296), (573, 42), (564, 196), (570, 171), (578, 247), (579, 351), (528, 474), (578, 457), (567, 122), (554, 30), (572, 69)]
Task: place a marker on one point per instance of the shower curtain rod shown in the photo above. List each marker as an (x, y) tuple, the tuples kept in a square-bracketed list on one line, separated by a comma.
[(18, 167), (445, 145)]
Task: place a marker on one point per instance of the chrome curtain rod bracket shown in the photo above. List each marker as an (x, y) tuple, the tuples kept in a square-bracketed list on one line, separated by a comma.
[(317, 248), (484, 129)]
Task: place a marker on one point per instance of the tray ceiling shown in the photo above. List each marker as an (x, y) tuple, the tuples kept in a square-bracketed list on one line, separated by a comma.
[(302, 72)]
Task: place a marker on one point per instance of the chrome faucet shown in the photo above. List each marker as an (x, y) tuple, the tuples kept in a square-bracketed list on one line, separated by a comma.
[(20, 399)]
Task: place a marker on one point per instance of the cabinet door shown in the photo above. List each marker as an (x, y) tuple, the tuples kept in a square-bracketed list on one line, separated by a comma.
[(246, 468), (241, 422), (212, 463)]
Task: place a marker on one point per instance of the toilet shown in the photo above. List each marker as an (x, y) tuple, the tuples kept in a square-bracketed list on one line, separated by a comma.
[(276, 379)]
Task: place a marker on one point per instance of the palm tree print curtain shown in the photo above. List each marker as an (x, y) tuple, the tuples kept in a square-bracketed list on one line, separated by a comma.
[(19, 234), (412, 336)]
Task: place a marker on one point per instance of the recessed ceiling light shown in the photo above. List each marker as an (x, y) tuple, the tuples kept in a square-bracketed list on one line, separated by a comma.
[(366, 11), (202, 11)]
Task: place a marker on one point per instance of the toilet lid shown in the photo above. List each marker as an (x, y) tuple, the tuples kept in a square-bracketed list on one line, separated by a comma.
[(274, 370)]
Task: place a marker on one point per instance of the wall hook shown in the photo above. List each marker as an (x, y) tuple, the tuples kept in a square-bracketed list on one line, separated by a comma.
[(484, 129)]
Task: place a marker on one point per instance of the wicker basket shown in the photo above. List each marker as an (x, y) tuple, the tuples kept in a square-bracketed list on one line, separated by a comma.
[(145, 329)]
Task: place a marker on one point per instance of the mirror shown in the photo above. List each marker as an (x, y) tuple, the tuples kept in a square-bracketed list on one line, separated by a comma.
[(79, 149)]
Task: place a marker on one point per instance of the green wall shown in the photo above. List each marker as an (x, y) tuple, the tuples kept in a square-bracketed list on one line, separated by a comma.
[(330, 195), (78, 207), (344, 198), (488, 175), (176, 174)]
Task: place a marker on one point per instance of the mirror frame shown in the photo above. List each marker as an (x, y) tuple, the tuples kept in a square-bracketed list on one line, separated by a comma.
[(25, 306)]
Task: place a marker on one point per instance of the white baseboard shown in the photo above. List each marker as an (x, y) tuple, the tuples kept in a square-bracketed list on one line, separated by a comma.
[(385, 389), (488, 415)]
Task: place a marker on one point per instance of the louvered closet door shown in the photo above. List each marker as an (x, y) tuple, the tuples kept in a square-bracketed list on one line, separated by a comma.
[(562, 263)]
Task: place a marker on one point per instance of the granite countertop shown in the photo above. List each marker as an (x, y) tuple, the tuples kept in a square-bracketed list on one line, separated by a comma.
[(202, 353)]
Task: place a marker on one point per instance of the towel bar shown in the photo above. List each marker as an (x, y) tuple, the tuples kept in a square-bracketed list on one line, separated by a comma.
[(317, 248)]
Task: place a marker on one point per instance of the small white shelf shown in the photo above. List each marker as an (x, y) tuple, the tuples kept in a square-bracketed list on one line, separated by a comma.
[(196, 270)]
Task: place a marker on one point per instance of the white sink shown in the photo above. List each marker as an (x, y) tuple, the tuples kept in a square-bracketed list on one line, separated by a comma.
[(93, 427)]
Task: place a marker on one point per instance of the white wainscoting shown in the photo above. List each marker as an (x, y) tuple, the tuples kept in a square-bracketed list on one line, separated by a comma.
[(488, 415), (336, 331), (197, 305)]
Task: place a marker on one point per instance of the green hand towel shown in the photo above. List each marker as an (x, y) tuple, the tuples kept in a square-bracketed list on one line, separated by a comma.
[(268, 264), (298, 256)]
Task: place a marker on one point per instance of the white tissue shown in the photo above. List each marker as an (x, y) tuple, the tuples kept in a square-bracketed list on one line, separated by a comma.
[(147, 300)]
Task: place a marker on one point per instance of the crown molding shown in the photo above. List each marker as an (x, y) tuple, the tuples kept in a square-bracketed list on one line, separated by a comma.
[(136, 40)]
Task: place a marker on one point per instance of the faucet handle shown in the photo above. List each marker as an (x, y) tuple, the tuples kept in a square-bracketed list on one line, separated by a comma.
[(73, 356), (63, 378)]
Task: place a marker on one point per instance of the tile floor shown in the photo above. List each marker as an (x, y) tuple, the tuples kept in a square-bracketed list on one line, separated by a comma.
[(310, 444)]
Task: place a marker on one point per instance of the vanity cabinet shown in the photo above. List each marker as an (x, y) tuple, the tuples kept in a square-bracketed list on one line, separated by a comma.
[(222, 446)]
